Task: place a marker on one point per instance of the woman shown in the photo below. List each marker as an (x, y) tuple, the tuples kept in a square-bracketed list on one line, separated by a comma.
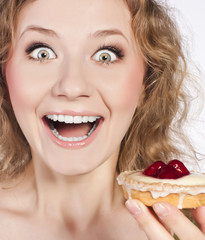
[(88, 89)]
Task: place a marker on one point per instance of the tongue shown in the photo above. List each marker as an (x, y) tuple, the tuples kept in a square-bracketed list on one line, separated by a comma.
[(73, 130)]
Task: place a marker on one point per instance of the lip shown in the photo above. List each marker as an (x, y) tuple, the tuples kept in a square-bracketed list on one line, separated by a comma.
[(74, 144)]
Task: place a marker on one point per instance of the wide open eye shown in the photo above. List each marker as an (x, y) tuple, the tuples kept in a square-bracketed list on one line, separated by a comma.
[(42, 53), (105, 56)]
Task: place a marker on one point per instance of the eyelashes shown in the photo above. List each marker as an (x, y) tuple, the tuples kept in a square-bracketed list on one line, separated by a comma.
[(40, 52), (34, 46), (108, 54), (114, 49), (105, 54)]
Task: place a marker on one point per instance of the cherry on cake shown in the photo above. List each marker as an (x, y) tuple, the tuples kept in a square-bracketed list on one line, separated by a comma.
[(160, 182)]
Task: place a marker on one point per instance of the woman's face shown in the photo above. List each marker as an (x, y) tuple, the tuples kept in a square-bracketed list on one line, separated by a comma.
[(74, 78)]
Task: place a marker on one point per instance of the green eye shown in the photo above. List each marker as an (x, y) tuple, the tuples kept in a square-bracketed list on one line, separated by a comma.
[(43, 53), (105, 56)]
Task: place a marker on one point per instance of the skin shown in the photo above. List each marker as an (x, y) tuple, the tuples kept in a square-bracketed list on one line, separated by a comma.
[(171, 220), (74, 82), (72, 193)]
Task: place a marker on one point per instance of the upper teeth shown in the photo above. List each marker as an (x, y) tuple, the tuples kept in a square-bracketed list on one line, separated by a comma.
[(72, 119)]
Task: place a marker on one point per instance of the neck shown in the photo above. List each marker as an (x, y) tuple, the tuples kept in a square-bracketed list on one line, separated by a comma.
[(79, 199)]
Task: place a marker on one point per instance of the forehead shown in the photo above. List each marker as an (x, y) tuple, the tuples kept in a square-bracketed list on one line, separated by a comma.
[(78, 16)]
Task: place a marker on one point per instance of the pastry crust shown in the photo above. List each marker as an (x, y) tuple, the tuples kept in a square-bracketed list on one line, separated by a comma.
[(181, 196)]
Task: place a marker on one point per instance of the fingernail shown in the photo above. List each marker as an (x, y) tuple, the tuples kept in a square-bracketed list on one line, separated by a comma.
[(161, 210), (133, 207)]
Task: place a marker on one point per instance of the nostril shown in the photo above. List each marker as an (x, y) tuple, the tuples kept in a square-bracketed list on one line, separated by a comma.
[(72, 84)]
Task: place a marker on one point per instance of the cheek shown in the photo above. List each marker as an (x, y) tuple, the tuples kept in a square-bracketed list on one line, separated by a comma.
[(132, 88), (24, 84), (16, 86), (124, 91)]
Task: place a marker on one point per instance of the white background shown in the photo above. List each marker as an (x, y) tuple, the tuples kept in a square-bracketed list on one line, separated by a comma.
[(190, 15)]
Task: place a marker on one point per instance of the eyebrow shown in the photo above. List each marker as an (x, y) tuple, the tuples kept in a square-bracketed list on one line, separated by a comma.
[(105, 33), (42, 30), (97, 34)]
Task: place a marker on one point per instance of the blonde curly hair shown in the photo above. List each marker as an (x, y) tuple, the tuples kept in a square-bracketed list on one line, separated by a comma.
[(149, 137)]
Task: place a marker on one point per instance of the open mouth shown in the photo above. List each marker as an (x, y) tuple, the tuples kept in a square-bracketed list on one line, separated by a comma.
[(72, 128)]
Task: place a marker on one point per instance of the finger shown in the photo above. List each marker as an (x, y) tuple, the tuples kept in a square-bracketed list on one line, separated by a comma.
[(199, 217), (146, 220), (175, 220)]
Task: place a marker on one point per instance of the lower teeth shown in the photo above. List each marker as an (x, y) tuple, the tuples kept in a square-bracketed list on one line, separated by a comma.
[(71, 139)]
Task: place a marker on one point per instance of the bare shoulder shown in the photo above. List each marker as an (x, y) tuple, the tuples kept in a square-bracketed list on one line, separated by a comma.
[(16, 194), (7, 192), (123, 226), (8, 211), (119, 223), (16, 211)]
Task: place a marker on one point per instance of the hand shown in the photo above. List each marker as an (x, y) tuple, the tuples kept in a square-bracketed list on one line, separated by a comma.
[(199, 217), (168, 220)]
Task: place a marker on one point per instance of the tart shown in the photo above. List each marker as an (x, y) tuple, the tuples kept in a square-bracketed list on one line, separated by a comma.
[(160, 182)]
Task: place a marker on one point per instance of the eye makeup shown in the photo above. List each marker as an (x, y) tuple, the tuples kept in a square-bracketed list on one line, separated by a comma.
[(36, 45), (38, 51), (116, 50), (113, 48)]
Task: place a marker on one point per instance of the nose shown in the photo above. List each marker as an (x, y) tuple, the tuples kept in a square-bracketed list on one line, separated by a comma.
[(71, 82)]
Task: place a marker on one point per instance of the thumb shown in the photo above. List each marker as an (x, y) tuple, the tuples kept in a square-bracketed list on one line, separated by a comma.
[(199, 217)]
